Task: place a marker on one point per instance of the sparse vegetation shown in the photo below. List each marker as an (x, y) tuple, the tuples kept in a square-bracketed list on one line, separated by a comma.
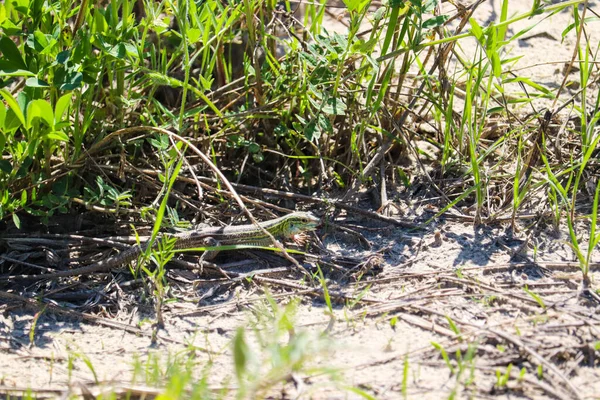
[(132, 117)]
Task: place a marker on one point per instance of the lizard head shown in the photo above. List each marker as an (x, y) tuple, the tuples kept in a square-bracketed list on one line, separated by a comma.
[(299, 222)]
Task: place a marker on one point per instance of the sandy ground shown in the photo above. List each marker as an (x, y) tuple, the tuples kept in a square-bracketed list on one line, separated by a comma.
[(451, 273)]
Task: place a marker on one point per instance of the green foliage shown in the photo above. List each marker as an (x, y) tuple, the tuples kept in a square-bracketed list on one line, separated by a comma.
[(502, 378), (281, 349), (445, 356), (181, 375), (536, 297), (72, 74)]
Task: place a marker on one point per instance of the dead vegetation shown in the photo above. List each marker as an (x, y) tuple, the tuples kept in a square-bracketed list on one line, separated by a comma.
[(458, 191)]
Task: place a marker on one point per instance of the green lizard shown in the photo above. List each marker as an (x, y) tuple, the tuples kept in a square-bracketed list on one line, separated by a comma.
[(287, 226)]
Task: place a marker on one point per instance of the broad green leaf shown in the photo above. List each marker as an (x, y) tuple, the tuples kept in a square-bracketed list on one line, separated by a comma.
[(118, 51), (72, 81), (61, 106), (122, 50), (100, 25), (333, 106), (21, 6), (41, 43), (35, 82), (57, 135), (8, 69), (11, 53), (11, 122), (40, 109), (355, 5), (311, 131), (6, 167), (131, 50), (379, 14), (426, 5), (193, 35), (10, 28), (13, 105), (364, 47), (435, 22)]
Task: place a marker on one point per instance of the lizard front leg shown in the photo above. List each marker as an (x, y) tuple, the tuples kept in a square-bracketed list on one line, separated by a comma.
[(209, 254)]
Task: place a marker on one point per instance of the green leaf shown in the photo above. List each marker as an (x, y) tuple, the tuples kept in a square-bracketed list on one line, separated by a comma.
[(453, 326), (312, 131), (325, 290), (23, 197), (10, 28), (41, 43), (356, 5), (35, 82), (6, 167), (7, 69), (72, 81), (131, 50), (363, 47), (16, 220), (476, 30), (57, 135), (2, 116), (333, 106), (193, 35), (535, 296), (573, 25), (122, 50), (534, 85), (100, 23), (21, 6), (241, 353), (63, 57), (435, 22), (425, 5), (11, 53), (61, 106), (40, 109), (13, 105), (496, 64), (360, 393)]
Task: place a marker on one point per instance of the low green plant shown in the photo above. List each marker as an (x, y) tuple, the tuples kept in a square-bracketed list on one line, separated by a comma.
[(405, 369), (445, 357), (264, 358), (503, 378), (535, 297), (454, 328)]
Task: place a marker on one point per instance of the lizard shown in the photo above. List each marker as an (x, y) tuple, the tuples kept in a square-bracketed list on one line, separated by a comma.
[(287, 226)]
